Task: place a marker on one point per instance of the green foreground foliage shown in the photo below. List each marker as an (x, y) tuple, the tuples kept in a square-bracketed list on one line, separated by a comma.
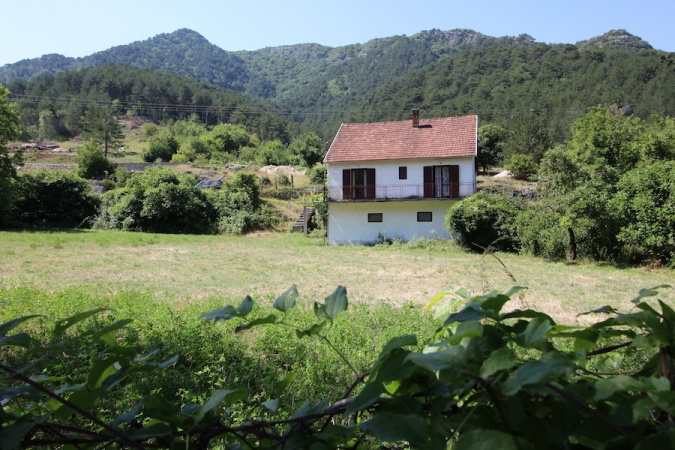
[(488, 376)]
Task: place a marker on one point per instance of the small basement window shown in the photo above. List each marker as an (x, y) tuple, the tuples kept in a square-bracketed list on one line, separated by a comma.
[(402, 173), (424, 216), (374, 217)]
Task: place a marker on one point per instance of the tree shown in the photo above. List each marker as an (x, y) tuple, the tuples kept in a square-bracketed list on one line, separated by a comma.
[(91, 162), (645, 204), (102, 126), (491, 144), (9, 130), (529, 136), (308, 149)]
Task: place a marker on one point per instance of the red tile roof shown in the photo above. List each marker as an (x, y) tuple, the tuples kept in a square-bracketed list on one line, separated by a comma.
[(449, 137)]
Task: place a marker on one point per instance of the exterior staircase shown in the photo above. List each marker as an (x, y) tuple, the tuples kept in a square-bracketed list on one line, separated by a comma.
[(298, 226)]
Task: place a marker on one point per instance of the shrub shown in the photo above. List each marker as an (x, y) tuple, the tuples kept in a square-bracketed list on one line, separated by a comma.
[(55, 199), (540, 232), (485, 220), (522, 166), (317, 174), (158, 201), (91, 163), (163, 148), (240, 208)]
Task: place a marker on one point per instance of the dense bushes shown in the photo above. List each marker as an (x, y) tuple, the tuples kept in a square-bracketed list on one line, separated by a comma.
[(158, 201), (54, 199), (162, 201), (163, 148), (240, 209), (91, 162), (607, 194), (485, 220)]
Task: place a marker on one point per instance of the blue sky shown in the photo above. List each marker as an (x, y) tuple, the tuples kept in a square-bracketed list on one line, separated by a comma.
[(31, 28)]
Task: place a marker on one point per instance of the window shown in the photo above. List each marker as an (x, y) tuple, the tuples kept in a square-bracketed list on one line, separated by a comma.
[(358, 184), (402, 173), (374, 217), (441, 181), (425, 216)]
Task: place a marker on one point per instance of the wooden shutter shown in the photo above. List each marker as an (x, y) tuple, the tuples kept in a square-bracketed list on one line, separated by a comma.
[(370, 183), (428, 181), (454, 181), (347, 184)]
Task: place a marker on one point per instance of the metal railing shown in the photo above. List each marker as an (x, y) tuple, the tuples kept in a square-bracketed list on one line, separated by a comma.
[(383, 192)]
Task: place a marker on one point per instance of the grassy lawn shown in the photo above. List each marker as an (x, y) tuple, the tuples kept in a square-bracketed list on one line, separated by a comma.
[(194, 270)]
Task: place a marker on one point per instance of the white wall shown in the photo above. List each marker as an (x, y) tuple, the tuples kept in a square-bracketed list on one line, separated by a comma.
[(348, 222), (388, 183)]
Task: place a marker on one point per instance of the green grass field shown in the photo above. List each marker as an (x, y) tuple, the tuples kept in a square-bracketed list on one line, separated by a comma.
[(165, 282), (188, 270)]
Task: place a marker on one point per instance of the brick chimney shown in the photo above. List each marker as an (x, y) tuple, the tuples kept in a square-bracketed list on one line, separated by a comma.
[(416, 118)]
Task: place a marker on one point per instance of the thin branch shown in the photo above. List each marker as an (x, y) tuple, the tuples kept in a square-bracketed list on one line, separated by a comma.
[(339, 353), (488, 389), (16, 374), (594, 412), (611, 348)]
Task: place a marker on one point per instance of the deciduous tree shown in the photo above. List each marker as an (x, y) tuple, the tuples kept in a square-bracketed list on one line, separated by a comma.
[(9, 129)]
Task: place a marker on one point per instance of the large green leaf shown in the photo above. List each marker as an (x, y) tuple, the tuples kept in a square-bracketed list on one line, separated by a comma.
[(389, 427), (217, 397), (471, 312), (367, 397), (155, 430), (108, 333), (311, 331), (335, 304), (225, 313), (7, 326), (63, 325), (286, 301), (18, 340), (12, 435), (660, 440), (452, 357), (664, 400), (281, 385), (261, 321), (83, 398), (500, 359), (536, 333), (398, 342), (537, 372), (229, 312), (157, 407)]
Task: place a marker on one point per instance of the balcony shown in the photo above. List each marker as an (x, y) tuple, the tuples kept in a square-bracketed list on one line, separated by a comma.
[(399, 192)]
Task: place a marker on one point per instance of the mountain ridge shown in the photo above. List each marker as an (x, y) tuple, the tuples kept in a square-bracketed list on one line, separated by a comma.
[(455, 38)]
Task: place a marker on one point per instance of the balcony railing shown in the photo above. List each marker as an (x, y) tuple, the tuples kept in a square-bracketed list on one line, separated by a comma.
[(398, 192)]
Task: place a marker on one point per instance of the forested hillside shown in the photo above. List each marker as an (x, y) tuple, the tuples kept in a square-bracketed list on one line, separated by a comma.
[(61, 102), (440, 72), (556, 83)]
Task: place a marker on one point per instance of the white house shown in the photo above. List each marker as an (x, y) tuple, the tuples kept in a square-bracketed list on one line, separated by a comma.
[(398, 179)]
